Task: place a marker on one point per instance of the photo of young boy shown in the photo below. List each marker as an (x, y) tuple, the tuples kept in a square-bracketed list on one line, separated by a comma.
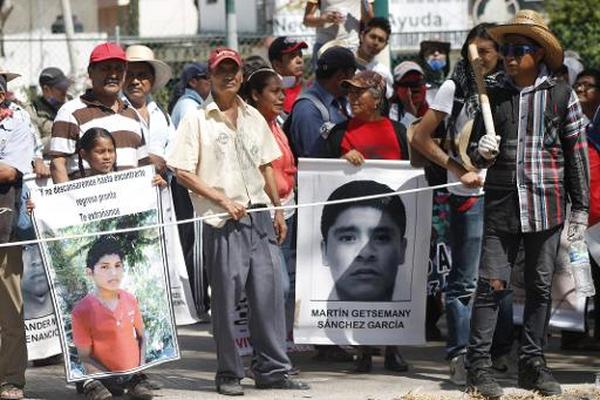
[(364, 242), (108, 330)]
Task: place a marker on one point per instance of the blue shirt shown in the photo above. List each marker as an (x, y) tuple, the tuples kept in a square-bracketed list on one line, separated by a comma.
[(305, 128), (190, 100), (17, 140)]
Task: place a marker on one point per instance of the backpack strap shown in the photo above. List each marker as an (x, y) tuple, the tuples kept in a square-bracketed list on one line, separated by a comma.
[(317, 103), (457, 105)]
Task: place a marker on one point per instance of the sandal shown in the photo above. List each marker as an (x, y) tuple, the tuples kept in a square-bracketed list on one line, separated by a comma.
[(8, 391)]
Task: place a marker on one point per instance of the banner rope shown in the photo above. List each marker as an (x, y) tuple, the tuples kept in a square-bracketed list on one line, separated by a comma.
[(224, 214)]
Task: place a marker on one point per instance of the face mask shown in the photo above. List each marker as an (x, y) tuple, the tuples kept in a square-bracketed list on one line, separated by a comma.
[(436, 64), (288, 81)]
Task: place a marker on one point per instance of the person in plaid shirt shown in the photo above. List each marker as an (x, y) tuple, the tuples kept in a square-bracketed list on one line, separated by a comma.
[(537, 161)]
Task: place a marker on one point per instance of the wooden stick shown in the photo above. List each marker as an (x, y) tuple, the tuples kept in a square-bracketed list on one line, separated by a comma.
[(484, 100)]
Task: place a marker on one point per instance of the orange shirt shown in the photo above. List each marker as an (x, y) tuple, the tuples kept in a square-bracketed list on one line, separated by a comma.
[(112, 335), (284, 168)]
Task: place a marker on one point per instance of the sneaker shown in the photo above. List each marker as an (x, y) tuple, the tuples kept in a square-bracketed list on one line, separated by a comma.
[(286, 383), (480, 381), (458, 373), (504, 367), (229, 386), (536, 376), (139, 388), (95, 390)]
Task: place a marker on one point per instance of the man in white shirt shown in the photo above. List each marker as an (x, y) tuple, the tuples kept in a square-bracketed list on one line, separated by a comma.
[(373, 39), (222, 153)]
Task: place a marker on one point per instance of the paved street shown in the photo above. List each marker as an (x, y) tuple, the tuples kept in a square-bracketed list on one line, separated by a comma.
[(192, 376)]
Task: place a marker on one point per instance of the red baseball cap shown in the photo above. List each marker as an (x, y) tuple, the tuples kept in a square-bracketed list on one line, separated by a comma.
[(222, 53), (107, 51)]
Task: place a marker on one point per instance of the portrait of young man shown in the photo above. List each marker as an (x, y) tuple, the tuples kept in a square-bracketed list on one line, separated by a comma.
[(363, 243)]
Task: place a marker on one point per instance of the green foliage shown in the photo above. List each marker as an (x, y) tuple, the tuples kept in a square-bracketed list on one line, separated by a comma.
[(577, 25), (144, 277)]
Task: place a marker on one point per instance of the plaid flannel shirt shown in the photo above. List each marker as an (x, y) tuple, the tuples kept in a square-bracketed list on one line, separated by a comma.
[(546, 160)]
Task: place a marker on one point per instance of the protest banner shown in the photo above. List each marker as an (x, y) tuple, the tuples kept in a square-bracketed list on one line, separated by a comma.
[(40, 321), (568, 309), (110, 292), (361, 266), (41, 329)]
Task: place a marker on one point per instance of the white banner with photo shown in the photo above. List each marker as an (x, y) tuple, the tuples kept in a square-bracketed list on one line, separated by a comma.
[(361, 266), (42, 333), (568, 309), (111, 292)]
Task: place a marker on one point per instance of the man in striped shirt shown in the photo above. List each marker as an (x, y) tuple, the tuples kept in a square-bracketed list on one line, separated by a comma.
[(98, 107), (538, 161)]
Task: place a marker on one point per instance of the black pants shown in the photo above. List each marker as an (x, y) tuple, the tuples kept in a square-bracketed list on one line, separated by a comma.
[(500, 250)]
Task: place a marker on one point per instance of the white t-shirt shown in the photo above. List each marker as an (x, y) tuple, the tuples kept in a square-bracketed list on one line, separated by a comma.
[(443, 101), (346, 31), (384, 71)]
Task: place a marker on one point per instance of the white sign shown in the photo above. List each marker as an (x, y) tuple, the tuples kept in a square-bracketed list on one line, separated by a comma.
[(361, 267)]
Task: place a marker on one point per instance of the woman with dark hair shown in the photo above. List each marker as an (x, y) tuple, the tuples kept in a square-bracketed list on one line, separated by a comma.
[(263, 89), (455, 106)]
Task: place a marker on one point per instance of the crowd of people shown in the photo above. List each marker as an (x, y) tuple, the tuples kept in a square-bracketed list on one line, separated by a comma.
[(510, 206)]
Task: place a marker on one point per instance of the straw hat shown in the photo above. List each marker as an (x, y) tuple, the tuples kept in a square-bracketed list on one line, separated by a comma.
[(531, 24), (162, 72), (9, 76)]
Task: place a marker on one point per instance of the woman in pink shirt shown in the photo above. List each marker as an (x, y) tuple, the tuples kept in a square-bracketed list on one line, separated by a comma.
[(263, 90)]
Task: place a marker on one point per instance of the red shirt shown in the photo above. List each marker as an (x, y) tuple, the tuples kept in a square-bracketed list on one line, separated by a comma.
[(284, 168), (112, 335), (594, 211), (374, 140), (291, 94)]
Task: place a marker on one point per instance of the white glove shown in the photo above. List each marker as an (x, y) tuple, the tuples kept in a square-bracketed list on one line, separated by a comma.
[(489, 146)]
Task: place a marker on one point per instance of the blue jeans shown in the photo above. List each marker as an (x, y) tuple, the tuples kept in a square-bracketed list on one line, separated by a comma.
[(466, 235)]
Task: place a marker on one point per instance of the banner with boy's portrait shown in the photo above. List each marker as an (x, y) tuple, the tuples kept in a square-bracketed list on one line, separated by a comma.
[(111, 292), (361, 275)]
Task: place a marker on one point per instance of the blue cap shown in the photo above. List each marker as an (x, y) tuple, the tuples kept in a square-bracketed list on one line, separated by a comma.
[(193, 70)]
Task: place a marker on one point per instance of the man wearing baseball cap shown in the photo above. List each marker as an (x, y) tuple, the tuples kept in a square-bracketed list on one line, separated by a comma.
[(54, 85), (285, 55), (323, 105), (98, 107), (222, 153), (196, 88)]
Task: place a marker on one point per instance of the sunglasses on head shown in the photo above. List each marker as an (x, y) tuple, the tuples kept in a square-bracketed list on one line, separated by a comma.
[(517, 50)]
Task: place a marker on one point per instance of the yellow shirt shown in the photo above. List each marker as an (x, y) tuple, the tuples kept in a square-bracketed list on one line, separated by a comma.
[(223, 157)]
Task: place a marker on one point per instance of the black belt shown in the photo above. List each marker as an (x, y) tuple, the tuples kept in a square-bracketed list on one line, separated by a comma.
[(253, 206)]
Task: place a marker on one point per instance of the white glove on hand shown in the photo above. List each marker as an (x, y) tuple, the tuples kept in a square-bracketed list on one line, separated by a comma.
[(489, 146)]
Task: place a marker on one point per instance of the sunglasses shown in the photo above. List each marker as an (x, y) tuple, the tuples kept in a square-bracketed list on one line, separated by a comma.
[(517, 50)]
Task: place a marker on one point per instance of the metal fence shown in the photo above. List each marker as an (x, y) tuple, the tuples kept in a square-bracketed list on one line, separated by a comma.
[(29, 54)]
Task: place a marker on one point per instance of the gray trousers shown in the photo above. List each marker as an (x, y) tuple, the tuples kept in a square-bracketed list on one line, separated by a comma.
[(243, 256)]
